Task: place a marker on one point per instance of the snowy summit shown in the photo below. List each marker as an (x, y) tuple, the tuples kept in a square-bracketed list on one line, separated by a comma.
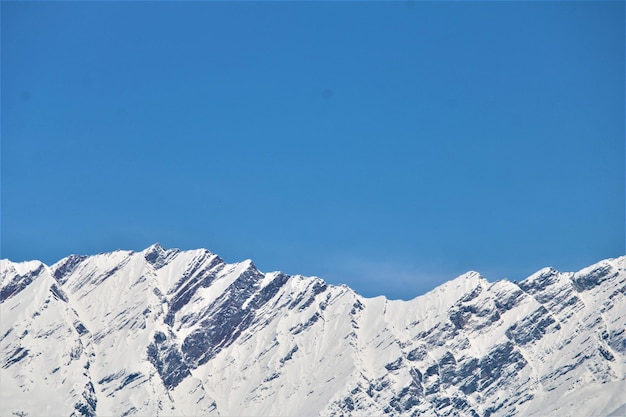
[(171, 333)]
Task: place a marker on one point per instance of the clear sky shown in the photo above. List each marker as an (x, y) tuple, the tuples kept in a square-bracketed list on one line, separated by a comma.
[(389, 146)]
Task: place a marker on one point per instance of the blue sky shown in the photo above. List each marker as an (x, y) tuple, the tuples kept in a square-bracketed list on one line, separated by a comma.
[(388, 146)]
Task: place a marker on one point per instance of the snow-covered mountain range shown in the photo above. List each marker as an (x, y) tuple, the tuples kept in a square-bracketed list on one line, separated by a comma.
[(175, 333)]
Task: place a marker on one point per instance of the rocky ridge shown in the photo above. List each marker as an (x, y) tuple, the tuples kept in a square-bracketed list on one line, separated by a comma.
[(169, 332)]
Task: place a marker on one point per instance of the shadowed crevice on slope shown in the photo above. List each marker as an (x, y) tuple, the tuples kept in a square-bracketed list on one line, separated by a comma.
[(593, 278), (19, 282), (66, 267), (533, 327), (227, 318), (164, 355), (200, 274)]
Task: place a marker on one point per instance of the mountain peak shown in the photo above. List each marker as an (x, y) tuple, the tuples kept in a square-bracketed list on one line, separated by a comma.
[(155, 247), (170, 332)]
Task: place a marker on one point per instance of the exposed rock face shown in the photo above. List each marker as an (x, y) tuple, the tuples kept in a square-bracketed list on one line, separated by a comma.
[(165, 332)]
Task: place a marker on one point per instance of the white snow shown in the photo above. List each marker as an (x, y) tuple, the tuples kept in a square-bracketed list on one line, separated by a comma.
[(303, 353)]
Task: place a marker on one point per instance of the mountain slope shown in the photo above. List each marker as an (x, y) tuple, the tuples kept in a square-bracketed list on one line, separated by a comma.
[(169, 332)]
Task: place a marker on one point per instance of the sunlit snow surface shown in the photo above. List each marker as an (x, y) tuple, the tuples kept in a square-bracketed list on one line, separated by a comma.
[(166, 332)]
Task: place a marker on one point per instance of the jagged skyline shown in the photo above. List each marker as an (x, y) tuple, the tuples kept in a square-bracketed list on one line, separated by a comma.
[(164, 332), (388, 145)]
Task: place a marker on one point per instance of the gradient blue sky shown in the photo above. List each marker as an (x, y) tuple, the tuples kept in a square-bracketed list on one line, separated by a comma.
[(388, 146)]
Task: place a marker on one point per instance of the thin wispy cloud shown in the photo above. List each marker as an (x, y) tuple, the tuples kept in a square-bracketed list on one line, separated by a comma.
[(392, 278)]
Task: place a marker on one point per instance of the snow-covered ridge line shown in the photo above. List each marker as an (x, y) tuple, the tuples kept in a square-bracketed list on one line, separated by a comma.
[(170, 332)]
